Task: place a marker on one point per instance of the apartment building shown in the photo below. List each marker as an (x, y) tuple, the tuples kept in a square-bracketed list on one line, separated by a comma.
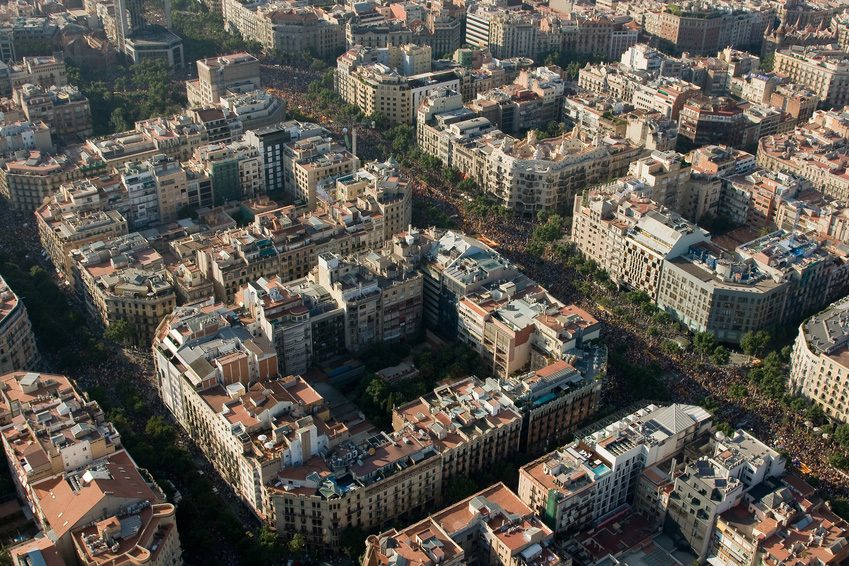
[(218, 122), (124, 278), (369, 480), (176, 137), (704, 490), (738, 464), (534, 100), (772, 280), (818, 368), (385, 188), (822, 69), (505, 33), (19, 135), (814, 152), (376, 87), (256, 402), (530, 175), (444, 123), (63, 109), (41, 70), (784, 521), (190, 334), (631, 237), (78, 214), (756, 88), (560, 488), (652, 130), (453, 265), (667, 95), (83, 488), (269, 140), (31, 175), (721, 161), (376, 33), (760, 121), (381, 297), (299, 465), (471, 424), (614, 80), (18, 350), (310, 320), (254, 109), (279, 242), (556, 399), (222, 76), (307, 162), (493, 526), (711, 121), (283, 320), (595, 477), (812, 213), (236, 170), (664, 177), (591, 112), (421, 543), (706, 29), (40, 404), (753, 199), (521, 33), (157, 190), (296, 30), (518, 326)]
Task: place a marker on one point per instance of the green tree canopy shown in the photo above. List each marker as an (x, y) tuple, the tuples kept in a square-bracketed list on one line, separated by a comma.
[(753, 342), (460, 488), (705, 343), (119, 331), (297, 543), (720, 356)]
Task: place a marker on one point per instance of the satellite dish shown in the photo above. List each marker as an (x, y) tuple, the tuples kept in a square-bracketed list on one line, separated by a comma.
[(371, 451)]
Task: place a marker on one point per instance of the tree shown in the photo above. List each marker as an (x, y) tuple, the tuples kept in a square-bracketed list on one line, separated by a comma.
[(768, 62), (661, 317), (117, 121), (841, 435), (839, 461), (725, 428), (119, 332), (738, 391), (815, 414), (378, 117), (160, 432), (705, 343), (353, 542), (467, 185), (270, 543), (379, 391), (754, 342), (639, 298), (721, 356), (460, 488), (297, 543), (670, 347)]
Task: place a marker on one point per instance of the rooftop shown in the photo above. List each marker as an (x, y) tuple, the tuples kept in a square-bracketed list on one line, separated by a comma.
[(828, 331)]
